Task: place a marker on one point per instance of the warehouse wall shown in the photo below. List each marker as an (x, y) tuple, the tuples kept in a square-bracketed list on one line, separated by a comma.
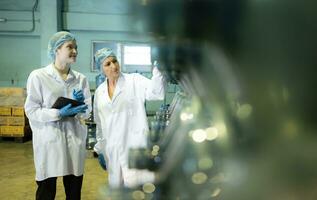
[(22, 47), (18, 56)]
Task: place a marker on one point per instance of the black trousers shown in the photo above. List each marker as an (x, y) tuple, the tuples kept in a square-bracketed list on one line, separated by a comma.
[(46, 189)]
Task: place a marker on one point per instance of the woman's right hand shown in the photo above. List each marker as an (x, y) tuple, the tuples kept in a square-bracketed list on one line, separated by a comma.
[(69, 111)]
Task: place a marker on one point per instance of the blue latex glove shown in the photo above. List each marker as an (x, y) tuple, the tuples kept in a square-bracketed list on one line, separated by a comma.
[(68, 110), (78, 95), (102, 161)]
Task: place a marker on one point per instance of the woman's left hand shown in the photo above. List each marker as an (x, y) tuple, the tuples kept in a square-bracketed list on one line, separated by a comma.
[(78, 95)]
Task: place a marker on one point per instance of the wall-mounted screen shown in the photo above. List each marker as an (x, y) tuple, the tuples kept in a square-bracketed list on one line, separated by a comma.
[(132, 56)]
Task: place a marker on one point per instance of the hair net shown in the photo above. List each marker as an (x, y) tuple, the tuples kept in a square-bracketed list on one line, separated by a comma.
[(56, 41), (102, 54)]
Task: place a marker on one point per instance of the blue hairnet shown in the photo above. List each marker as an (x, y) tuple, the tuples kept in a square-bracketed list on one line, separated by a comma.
[(102, 54), (56, 41)]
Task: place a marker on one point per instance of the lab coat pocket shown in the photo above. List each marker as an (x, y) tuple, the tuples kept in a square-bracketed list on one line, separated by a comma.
[(139, 138), (50, 136)]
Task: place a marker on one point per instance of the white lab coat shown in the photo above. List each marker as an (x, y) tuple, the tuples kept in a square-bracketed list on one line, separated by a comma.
[(58, 144), (122, 124)]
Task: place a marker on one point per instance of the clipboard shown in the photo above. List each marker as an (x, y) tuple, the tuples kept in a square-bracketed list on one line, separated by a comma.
[(63, 101)]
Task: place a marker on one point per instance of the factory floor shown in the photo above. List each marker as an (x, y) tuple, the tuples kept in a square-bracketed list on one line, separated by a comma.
[(17, 174)]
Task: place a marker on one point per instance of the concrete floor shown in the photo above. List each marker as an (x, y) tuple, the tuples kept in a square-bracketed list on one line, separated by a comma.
[(17, 174)]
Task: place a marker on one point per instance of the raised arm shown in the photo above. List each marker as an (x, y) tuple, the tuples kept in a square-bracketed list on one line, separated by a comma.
[(154, 88)]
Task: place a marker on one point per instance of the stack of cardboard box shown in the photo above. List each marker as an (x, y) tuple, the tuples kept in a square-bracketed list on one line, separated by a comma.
[(13, 122)]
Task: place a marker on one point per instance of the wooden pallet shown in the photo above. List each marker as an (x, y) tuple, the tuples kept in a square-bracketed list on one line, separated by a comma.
[(15, 138)]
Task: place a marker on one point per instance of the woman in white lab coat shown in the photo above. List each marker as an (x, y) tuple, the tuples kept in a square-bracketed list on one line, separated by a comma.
[(120, 116), (59, 136)]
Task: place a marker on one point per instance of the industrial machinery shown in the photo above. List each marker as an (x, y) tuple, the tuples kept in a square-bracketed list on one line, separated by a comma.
[(243, 125)]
